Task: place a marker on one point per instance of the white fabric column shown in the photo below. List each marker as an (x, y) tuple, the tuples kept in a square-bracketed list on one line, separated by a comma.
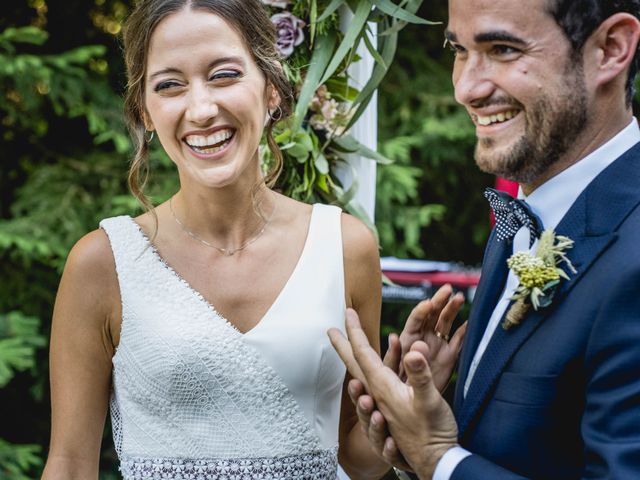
[(365, 130)]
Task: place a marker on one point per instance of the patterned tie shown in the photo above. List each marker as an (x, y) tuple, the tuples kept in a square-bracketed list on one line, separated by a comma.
[(512, 214)]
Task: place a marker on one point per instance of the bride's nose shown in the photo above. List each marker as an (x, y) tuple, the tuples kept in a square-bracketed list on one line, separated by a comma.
[(202, 105)]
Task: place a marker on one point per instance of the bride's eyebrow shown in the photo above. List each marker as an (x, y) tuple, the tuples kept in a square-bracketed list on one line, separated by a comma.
[(218, 61)]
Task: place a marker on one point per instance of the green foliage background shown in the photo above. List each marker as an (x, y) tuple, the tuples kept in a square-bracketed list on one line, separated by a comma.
[(65, 153)]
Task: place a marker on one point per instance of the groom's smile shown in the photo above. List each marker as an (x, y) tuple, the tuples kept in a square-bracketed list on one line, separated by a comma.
[(492, 119)]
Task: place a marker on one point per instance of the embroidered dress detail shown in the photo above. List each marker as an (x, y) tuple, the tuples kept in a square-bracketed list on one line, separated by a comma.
[(192, 394), (310, 466)]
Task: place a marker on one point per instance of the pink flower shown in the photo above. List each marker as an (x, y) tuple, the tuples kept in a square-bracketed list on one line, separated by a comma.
[(289, 32)]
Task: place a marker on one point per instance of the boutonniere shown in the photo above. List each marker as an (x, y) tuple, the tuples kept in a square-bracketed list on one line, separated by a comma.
[(539, 275)]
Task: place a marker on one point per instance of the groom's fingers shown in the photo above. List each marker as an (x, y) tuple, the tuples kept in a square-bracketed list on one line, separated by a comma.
[(377, 432), (394, 353), (392, 455), (343, 347), (364, 408)]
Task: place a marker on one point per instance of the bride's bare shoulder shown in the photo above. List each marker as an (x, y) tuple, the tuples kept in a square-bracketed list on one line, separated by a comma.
[(92, 254)]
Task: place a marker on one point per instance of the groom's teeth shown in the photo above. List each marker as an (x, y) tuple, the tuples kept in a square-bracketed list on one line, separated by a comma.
[(497, 118)]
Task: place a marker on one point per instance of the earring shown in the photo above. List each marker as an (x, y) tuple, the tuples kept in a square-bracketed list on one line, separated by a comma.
[(272, 115), (150, 137)]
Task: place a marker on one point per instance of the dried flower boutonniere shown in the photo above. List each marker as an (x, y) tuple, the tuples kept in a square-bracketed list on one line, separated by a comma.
[(539, 275)]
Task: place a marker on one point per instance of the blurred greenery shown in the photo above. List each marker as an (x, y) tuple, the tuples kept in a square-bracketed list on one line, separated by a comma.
[(65, 154), (429, 202)]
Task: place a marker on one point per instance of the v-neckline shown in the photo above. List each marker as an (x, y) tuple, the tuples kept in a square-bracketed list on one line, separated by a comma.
[(200, 297)]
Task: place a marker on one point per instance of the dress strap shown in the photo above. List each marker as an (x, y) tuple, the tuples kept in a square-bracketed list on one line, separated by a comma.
[(325, 238)]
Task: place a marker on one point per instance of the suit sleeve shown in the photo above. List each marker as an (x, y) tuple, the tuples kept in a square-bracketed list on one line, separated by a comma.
[(611, 421)]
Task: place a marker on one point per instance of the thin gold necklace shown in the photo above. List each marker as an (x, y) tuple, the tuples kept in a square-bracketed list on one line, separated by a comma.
[(225, 251)]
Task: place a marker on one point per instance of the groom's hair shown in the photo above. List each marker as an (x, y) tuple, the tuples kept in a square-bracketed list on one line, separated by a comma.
[(580, 18)]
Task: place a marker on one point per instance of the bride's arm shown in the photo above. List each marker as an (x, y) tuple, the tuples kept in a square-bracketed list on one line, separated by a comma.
[(80, 359), (363, 290)]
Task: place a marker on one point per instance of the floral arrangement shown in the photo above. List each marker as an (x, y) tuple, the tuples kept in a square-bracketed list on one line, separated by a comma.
[(539, 275), (316, 54)]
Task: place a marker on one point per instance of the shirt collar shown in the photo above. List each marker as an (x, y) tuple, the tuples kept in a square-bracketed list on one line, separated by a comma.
[(552, 200)]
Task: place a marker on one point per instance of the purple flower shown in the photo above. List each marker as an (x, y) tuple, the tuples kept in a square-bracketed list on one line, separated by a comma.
[(289, 31)]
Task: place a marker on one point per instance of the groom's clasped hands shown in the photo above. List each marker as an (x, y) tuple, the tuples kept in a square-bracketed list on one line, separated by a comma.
[(398, 398)]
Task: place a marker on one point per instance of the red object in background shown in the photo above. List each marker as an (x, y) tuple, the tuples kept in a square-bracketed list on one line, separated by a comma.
[(463, 279), (504, 186)]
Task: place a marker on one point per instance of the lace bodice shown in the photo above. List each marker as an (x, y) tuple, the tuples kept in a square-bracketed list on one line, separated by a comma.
[(195, 398)]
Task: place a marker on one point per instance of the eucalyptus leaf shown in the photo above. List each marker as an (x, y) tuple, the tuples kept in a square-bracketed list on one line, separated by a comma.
[(322, 165), (331, 8), (341, 90), (350, 144), (322, 51), (349, 42), (313, 19), (388, 51), (374, 53), (390, 8)]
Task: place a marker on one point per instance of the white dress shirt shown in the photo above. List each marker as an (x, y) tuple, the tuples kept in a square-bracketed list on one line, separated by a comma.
[(550, 201)]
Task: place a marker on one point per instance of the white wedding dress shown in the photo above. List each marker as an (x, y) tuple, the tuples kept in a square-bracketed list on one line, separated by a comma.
[(194, 398)]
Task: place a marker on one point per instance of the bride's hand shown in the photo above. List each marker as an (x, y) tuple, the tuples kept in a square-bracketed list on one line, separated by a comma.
[(429, 324)]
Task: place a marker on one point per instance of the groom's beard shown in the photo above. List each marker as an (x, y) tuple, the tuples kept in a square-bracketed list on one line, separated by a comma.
[(553, 123)]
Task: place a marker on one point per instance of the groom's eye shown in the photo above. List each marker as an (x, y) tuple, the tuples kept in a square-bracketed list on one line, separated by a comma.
[(457, 50), (504, 50)]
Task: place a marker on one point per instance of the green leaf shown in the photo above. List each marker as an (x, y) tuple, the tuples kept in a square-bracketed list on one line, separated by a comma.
[(374, 53), (30, 34), (17, 462), (390, 8), (313, 19), (331, 8), (15, 355), (389, 47), (341, 90), (349, 42), (322, 165), (321, 56), (301, 146), (347, 143)]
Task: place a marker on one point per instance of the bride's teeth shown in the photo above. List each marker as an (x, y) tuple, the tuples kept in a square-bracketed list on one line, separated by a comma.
[(213, 139)]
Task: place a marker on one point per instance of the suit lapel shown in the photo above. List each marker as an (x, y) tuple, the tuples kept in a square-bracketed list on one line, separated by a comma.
[(591, 222), (494, 275)]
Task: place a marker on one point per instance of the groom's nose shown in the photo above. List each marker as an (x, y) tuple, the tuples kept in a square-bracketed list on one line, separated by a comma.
[(472, 79)]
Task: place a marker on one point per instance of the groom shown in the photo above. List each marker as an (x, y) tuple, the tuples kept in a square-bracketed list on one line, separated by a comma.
[(548, 84)]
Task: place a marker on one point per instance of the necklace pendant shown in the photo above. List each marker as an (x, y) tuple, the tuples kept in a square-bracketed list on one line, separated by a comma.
[(229, 251)]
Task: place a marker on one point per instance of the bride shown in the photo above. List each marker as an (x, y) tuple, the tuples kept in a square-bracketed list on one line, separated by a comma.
[(201, 324)]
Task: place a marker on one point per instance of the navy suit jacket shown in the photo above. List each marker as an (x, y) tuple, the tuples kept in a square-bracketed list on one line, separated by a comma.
[(558, 397)]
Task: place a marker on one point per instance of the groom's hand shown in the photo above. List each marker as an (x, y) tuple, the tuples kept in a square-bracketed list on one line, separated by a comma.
[(374, 426), (418, 418)]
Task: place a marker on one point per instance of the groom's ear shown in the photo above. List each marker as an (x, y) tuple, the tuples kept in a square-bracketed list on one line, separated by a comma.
[(611, 48)]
